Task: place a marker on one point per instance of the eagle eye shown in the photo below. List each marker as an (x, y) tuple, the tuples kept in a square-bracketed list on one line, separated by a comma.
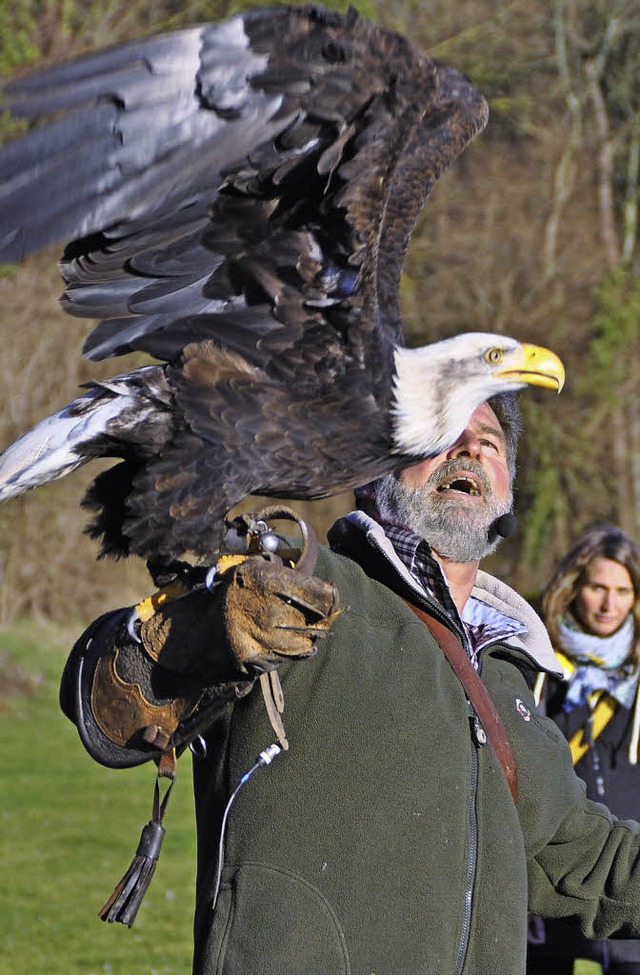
[(494, 356)]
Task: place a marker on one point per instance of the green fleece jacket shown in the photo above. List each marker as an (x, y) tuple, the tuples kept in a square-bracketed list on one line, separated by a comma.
[(385, 841)]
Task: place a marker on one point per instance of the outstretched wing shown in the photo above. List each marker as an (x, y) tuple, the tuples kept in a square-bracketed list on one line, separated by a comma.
[(236, 200), (254, 183)]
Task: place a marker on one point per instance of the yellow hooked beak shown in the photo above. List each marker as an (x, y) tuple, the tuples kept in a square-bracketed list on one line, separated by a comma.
[(533, 365)]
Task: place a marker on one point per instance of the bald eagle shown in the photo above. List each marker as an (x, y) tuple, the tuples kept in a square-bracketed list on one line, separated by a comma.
[(236, 200)]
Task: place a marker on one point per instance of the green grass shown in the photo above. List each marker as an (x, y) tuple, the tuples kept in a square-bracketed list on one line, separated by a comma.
[(69, 829)]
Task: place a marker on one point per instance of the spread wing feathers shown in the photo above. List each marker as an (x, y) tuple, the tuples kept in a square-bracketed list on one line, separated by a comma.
[(139, 402), (236, 200), (281, 156)]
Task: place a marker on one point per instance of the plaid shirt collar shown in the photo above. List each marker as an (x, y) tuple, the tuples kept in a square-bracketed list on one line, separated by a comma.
[(482, 624), (415, 553)]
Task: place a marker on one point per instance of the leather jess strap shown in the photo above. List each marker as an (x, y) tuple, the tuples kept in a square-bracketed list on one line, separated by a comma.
[(477, 694)]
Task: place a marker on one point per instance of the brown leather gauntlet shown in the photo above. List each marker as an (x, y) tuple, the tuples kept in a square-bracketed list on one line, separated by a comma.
[(129, 708), (260, 612), (134, 700)]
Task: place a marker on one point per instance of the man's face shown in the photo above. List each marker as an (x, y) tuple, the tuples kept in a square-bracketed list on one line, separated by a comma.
[(483, 442), (453, 499), (604, 598)]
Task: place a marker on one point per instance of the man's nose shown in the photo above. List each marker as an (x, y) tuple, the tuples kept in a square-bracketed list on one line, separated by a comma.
[(467, 445)]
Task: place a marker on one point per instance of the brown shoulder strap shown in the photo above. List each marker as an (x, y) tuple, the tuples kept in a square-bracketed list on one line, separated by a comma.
[(477, 693)]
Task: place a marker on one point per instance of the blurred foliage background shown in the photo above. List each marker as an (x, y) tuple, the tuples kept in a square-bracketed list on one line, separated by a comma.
[(533, 233)]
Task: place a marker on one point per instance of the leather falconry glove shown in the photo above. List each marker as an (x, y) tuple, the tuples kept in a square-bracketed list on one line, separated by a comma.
[(140, 684), (254, 612), (259, 613)]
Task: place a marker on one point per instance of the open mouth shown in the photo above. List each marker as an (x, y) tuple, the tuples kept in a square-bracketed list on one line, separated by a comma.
[(461, 483)]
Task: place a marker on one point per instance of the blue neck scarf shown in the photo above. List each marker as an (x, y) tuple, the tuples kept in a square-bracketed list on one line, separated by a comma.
[(601, 663)]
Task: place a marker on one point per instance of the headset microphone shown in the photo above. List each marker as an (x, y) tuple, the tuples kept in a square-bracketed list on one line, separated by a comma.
[(504, 526)]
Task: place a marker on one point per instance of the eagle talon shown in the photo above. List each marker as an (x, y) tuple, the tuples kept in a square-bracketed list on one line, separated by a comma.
[(210, 578), (133, 625), (311, 628)]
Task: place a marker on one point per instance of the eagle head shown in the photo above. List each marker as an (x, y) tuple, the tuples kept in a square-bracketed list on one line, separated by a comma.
[(437, 387)]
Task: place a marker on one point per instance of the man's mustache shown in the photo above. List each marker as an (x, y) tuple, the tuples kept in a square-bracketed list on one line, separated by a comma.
[(450, 468)]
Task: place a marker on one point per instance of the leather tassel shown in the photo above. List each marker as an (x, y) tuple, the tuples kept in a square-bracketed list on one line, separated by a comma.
[(125, 900)]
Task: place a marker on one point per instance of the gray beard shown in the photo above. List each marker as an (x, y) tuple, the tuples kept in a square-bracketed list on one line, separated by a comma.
[(454, 529)]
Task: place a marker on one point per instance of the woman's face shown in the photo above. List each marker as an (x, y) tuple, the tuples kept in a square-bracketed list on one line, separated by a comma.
[(604, 598)]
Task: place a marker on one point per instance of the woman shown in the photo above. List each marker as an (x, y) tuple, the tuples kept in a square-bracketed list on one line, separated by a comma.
[(592, 612)]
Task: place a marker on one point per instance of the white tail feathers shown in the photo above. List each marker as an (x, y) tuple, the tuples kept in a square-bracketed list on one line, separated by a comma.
[(53, 448)]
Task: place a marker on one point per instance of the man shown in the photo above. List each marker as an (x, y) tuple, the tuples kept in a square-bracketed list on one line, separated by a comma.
[(591, 610), (386, 839)]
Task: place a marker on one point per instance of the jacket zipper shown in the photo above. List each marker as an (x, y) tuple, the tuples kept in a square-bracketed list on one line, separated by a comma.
[(472, 861), (472, 816)]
